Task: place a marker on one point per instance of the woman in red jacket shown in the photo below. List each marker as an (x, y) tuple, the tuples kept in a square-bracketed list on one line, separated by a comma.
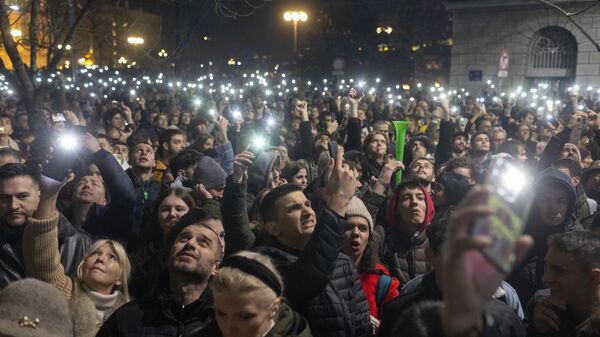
[(377, 284)]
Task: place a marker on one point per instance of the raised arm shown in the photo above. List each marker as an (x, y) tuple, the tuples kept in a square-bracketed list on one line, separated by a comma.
[(239, 236), (40, 239), (320, 253), (353, 141), (117, 220)]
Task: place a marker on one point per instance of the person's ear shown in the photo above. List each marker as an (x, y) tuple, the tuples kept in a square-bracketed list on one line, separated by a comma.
[(272, 229), (575, 181), (215, 269), (180, 173), (595, 276), (275, 308)]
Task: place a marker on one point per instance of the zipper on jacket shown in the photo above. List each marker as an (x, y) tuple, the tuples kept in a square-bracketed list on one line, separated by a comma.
[(412, 267), (180, 322)]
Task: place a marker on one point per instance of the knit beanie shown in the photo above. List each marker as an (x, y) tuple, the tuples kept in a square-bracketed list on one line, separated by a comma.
[(357, 208), (209, 173), (32, 308)]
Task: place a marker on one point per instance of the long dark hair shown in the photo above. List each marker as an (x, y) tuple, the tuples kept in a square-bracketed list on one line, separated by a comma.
[(152, 232), (368, 262)]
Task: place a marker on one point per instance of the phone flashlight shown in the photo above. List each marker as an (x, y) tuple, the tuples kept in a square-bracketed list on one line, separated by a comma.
[(68, 142), (258, 142), (270, 122)]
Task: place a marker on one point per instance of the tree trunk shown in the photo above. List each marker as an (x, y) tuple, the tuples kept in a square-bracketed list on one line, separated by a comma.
[(27, 90), (33, 44)]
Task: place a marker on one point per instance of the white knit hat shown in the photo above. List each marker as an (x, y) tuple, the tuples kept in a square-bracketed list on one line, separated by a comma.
[(357, 208)]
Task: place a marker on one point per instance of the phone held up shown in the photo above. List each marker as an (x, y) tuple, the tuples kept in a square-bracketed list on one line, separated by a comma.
[(511, 200)]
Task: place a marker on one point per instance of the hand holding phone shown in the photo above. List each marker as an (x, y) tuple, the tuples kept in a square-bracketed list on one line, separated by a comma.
[(332, 147), (511, 199)]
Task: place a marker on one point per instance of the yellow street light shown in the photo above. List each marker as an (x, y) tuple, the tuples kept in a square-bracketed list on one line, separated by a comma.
[(135, 40), (295, 17), (16, 33)]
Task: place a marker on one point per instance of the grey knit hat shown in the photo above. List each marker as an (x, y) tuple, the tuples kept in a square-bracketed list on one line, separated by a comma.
[(209, 173), (357, 208), (32, 308)]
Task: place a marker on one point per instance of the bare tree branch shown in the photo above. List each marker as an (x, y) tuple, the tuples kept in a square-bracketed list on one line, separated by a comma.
[(13, 54), (570, 18), (59, 54)]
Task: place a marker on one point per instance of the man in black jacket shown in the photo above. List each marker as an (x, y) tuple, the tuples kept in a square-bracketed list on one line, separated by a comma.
[(19, 198), (182, 303), (320, 282)]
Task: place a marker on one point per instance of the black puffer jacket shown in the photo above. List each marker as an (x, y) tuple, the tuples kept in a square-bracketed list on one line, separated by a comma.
[(321, 283), (72, 243), (404, 255), (159, 314)]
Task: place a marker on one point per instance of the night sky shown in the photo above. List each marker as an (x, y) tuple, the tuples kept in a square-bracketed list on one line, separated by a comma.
[(264, 32)]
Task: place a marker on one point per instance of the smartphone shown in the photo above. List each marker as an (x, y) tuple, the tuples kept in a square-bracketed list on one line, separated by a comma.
[(332, 146), (511, 198), (67, 154), (128, 127), (58, 117), (257, 144)]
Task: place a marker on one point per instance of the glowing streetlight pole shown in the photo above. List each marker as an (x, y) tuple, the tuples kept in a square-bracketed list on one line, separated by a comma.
[(295, 16)]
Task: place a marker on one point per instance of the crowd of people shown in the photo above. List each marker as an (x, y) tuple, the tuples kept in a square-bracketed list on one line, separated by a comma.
[(262, 205)]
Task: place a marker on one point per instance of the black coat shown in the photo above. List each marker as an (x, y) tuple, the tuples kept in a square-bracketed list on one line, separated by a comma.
[(504, 322), (115, 220), (321, 283), (528, 276), (159, 314), (73, 245)]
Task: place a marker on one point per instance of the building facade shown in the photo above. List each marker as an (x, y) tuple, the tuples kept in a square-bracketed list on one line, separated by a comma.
[(537, 44)]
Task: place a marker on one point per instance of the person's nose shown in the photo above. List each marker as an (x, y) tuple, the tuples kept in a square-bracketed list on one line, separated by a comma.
[(14, 203)]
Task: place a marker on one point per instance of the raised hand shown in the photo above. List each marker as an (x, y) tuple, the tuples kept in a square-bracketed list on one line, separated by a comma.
[(340, 182), (241, 163), (49, 190), (469, 279), (386, 174), (71, 117), (90, 142), (202, 191)]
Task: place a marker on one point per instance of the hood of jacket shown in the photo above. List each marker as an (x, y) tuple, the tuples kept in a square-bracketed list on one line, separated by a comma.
[(554, 177), (258, 173), (393, 218)]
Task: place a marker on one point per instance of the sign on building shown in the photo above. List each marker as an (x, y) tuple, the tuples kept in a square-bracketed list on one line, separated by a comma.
[(504, 63)]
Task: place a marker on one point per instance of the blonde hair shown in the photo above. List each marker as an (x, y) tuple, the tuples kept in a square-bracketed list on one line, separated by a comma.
[(231, 281), (122, 259)]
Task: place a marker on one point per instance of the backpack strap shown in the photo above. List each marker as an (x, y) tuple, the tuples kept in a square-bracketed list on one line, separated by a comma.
[(383, 286)]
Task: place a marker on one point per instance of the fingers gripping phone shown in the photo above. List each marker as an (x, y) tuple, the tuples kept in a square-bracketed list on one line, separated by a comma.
[(511, 199)]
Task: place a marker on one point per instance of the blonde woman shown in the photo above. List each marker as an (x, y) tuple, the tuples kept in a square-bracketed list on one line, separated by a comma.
[(100, 286), (247, 301)]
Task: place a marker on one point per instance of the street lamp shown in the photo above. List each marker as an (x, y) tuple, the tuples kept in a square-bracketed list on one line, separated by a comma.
[(135, 40), (295, 16)]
